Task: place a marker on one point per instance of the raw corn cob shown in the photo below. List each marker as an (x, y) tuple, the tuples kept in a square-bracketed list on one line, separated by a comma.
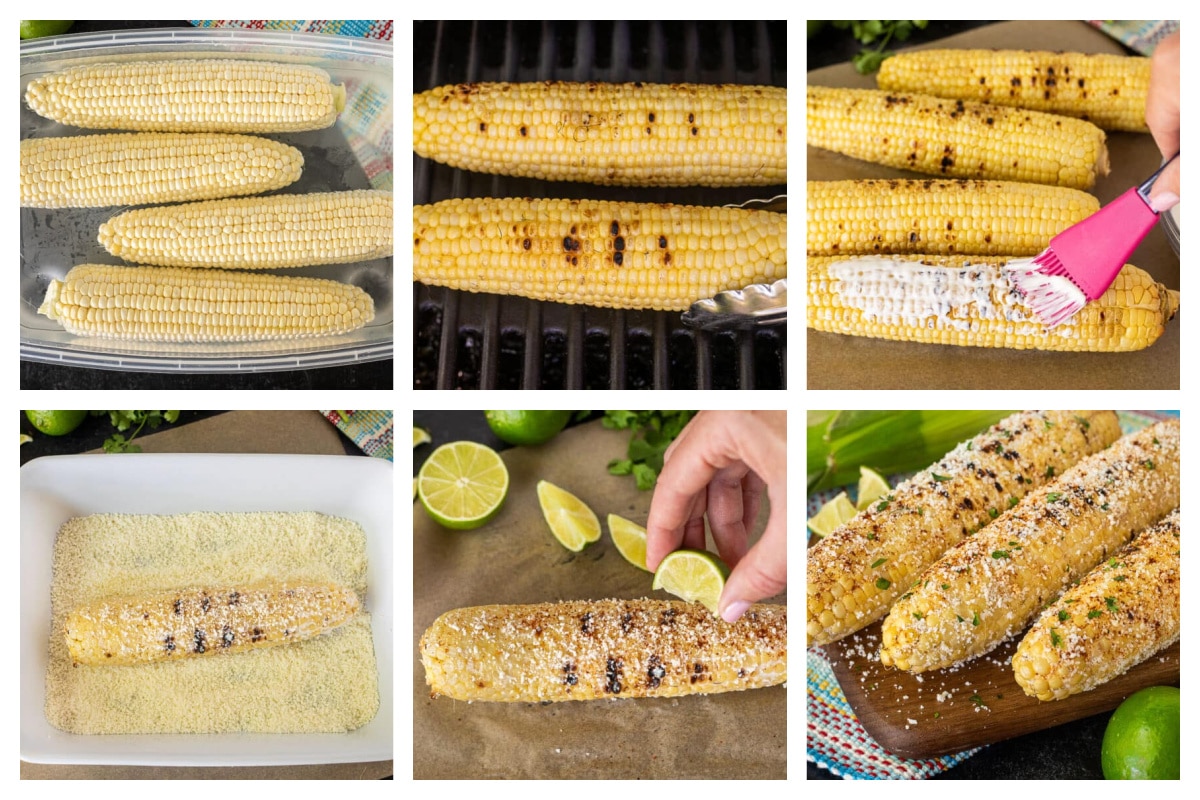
[(287, 230), (1108, 90), (596, 252), (956, 138), (588, 650), (189, 95), (856, 572), (971, 301), (988, 588), (135, 168), (1122, 612), (168, 304), (194, 622), (939, 216), (623, 134)]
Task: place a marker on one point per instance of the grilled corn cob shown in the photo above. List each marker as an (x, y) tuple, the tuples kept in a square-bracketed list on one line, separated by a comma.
[(594, 252), (194, 622), (972, 302), (134, 168), (938, 216), (189, 95), (168, 304), (956, 138), (1107, 90), (988, 588), (1121, 613), (623, 134), (856, 572), (587, 650), (288, 230)]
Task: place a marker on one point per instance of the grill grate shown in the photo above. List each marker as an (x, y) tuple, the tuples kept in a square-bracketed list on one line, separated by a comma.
[(477, 341)]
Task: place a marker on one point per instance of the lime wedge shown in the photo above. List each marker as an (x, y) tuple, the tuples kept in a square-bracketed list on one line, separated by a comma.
[(833, 515), (26, 438), (462, 485), (871, 487), (630, 539), (570, 520), (694, 575), (420, 437)]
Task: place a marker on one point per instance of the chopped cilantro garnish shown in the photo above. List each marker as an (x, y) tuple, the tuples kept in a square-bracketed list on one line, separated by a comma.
[(1063, 616), (1049, 472), (1082, 421), (877, 563), (1094, 614), (1000, 554), (1050, 498), (883, 584), (975, 619), (940, 478), (1012, 501), (1111, 602), (993, 513)]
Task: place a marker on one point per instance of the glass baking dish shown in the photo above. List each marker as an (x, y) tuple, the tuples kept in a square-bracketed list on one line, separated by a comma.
[(336, 158)]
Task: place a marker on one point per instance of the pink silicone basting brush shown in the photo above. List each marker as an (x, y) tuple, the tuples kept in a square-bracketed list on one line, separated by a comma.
[(1083, 261)]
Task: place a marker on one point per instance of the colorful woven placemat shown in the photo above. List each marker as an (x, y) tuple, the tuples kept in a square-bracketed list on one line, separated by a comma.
[(370, 430), (365, 28), (1141, 36)]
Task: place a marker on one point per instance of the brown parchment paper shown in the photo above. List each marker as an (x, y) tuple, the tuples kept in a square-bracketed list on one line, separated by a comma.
[(234, 432), (855, 362), (515, 559)]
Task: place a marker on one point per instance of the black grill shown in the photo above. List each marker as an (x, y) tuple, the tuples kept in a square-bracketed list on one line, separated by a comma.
[(477, 341)]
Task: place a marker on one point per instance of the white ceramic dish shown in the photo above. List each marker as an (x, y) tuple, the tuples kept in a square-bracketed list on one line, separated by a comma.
[(56, 488)]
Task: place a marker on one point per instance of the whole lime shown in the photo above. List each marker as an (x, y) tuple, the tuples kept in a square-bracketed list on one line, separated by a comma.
[(56, 423), (36, 28), (1141, 741), (527, 427)]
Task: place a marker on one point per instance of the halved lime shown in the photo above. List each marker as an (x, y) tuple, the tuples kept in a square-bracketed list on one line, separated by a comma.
[(527, 427), (1141, 741), (693, 575), (36, 28), (570, 520), (463, 485), (871, 487), (833, 515), (630, 539), (420, 436), (56, 423)]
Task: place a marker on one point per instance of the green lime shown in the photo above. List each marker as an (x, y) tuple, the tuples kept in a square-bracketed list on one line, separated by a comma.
[(694, 575), (1141, 741), (527, 427), (833, 515), (463, 485), (871, 487), (34, 28), (630, 539), (420, 437), (570, 520), (56, 423)]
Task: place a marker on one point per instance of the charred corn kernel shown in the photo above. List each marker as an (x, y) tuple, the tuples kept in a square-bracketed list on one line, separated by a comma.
[(1108, 90), (596, 252), (970, 301), (195, 622), (134, 168), (623, 134), (288, 230), (167, 304), (938, 216), (1122, 612), (189, 95), (956, 138), (857, 572), (988, 588), (587, 650)]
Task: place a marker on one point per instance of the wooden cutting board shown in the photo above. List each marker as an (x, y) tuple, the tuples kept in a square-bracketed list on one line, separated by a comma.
[(977, 703)]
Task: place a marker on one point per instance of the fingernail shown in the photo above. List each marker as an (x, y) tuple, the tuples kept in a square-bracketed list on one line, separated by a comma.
[(734, 610), (1163, 201)]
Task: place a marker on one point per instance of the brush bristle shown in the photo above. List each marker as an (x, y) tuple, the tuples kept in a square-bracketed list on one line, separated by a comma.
[(1048, 288)]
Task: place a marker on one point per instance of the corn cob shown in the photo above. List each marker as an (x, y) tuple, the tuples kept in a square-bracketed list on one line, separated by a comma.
[(856, 572), (189, 95), (134, 168), (1108, 90), (1121, 613), (623, 134), (167, 304), (988, 588), (194, 622), (599, 253), (289, 230), (972, 302), (588, 650), (956, 138), (938, 216)]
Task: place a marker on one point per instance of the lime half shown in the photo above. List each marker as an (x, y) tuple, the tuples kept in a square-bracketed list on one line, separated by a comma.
[(527, 427), (420, 437), (37, 28), (630, 539), (833, 515), (1141, 741), (693, 575), (570, 520), (56, 423), (463, 485), (871, 487)]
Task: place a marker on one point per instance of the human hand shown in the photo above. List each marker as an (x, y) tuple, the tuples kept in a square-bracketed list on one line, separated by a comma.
[(1162, 117), (718, 467)]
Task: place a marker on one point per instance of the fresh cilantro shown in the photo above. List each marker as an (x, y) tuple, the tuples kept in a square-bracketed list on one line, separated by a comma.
[(653, 432)]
